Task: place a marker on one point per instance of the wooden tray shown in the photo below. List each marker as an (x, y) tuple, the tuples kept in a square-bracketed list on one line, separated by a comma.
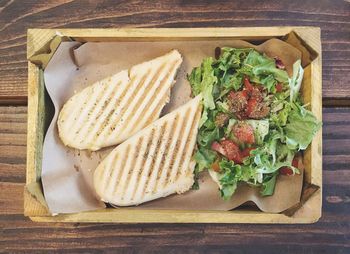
[(41, 45)]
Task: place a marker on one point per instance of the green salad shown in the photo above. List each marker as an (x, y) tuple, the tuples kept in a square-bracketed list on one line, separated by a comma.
[(253, 121)]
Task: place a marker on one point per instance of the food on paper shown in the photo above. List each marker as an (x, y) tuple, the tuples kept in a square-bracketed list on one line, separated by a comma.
[(154, 163), (253, 122), (113, 109)]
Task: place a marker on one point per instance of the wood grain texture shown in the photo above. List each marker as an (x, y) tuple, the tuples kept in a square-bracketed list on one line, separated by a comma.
[(16, 16), (329, 235)]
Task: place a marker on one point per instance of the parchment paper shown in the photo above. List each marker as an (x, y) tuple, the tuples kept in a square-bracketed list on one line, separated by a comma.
[(67, 173)]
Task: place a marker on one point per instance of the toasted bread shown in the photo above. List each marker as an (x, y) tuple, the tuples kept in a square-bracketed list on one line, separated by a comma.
[(113, 109), (154, 163)]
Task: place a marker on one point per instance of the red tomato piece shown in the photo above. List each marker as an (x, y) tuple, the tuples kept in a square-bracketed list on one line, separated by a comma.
[(252, 103), (231, 95), (216, 146), (287, 170), (232, 151), (247, 84), (237, 103), (244, 133), (295, 162), (246, 152), (244, 93), (279, 87), (256, 94), (236, 95)]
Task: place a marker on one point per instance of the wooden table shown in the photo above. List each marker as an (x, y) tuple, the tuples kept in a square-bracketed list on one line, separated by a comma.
[(329, 235)]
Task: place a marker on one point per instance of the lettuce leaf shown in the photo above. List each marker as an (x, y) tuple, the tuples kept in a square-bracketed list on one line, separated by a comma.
[(269, 68), (233, 81), (269, 82), (226, 67), (301, 128), (206, 137), (231, 175), (195, 79), (229, 178), (274, 154), (263, 70), (223, 107), (228, 129), (268, 186), (204, 118), (204, 158), (202, 80), (295, 81), (280, 118), (208, 99), (232, 58), (261, 129), (227, 190)]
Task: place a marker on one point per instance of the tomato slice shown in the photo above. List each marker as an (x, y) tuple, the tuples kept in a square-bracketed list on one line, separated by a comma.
[(216, 146), (251, 106), (232, 151), (279, 87), (244, 93), (287, 170), (231, 95), (236, 95), (247, 84), (246, 152), (295, 162), (244, 133)]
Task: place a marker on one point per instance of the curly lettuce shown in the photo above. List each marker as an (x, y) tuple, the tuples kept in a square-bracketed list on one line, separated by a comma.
[(302, 126)]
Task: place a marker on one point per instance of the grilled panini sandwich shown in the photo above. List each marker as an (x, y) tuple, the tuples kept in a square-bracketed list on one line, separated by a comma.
[(154, 163), (113, 109)]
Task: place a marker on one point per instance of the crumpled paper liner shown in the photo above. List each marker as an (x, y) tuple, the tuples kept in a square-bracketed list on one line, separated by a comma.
[(67, 173)]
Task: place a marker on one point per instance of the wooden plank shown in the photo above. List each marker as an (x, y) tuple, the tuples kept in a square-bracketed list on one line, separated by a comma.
[(16, 16), (73, 238), (34, 93), (312, 93), (332, 230), (12, 144), (12, 196)]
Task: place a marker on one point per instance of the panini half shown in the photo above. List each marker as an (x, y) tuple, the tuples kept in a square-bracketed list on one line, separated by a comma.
[(154, 163), (113, 109)]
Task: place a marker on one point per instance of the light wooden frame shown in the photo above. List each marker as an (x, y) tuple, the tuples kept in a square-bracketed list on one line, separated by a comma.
[(312, 91)]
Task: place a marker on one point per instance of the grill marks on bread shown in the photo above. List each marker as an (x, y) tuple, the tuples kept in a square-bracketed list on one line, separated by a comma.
[(154, 163), (113, 109)]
